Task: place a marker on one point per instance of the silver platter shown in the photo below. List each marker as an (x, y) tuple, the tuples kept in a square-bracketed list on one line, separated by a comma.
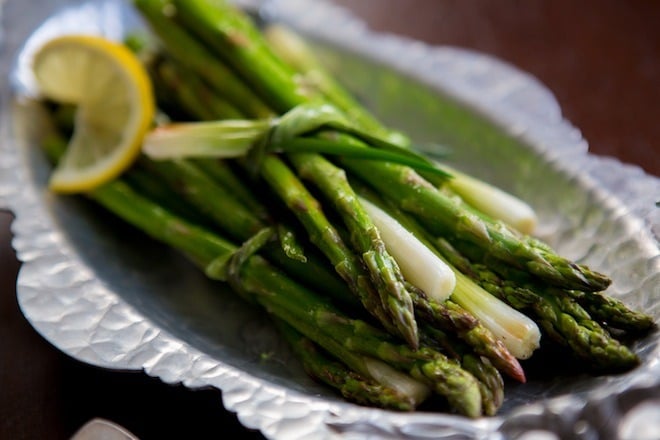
[(106, 295)]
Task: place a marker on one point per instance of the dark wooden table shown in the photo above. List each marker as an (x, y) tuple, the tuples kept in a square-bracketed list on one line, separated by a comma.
[(600, 57)]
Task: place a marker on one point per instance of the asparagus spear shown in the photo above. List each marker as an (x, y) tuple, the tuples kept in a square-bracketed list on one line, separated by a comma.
[(326, 237), (301, 202), (584, 336), (235, 40), (613, 312), (166, 74), (425, 364), (202, 202), (194, 12), (189, 52), (384, 272), (452, 317), (158, 191), (201, 102), (352, 385), (511, 327), (519, 290), (187, 179), (491, 383), (215, 201), (444, 312), (562, 318), (204, 247), (222, 173), (443, 376), (295, 53), (490, 200), (447, 315), (518, 297)]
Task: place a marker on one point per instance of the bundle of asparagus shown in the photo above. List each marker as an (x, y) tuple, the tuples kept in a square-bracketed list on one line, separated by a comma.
[(392, 276)]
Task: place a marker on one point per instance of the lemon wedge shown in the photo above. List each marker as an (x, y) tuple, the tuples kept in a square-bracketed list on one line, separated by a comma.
[(115, 107)]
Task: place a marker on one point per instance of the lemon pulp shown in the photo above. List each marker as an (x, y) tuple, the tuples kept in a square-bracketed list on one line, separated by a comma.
[(115, 107)]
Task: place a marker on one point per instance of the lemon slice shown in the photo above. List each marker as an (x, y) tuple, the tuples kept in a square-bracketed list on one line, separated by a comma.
[(115, 107)]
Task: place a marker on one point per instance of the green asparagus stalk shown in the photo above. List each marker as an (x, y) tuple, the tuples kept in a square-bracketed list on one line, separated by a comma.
[(204, 247), (187, 179), (297, 304), (222, 174), (157, 190), (538, 265), (426, 365), (221, 202), (443, 376), (215, 201), (384, 272), (608, 310), (189, 52), (326, 237), (560, 316), (354, 386), (166, 74), (491, 201), (236, 41), (292, 49), (613, 312), (203, 103), (474, 333), (491, 383), (603, 309), (513, 294), (511, 327), (454, 318), (470, 385), (585, 337), (225, 42)]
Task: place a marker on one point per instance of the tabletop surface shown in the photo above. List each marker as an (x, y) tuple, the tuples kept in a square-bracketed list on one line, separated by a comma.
[(601, 59)]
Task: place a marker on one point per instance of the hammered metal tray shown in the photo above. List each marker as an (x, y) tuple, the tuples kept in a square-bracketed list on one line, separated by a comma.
[(106, 295)]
